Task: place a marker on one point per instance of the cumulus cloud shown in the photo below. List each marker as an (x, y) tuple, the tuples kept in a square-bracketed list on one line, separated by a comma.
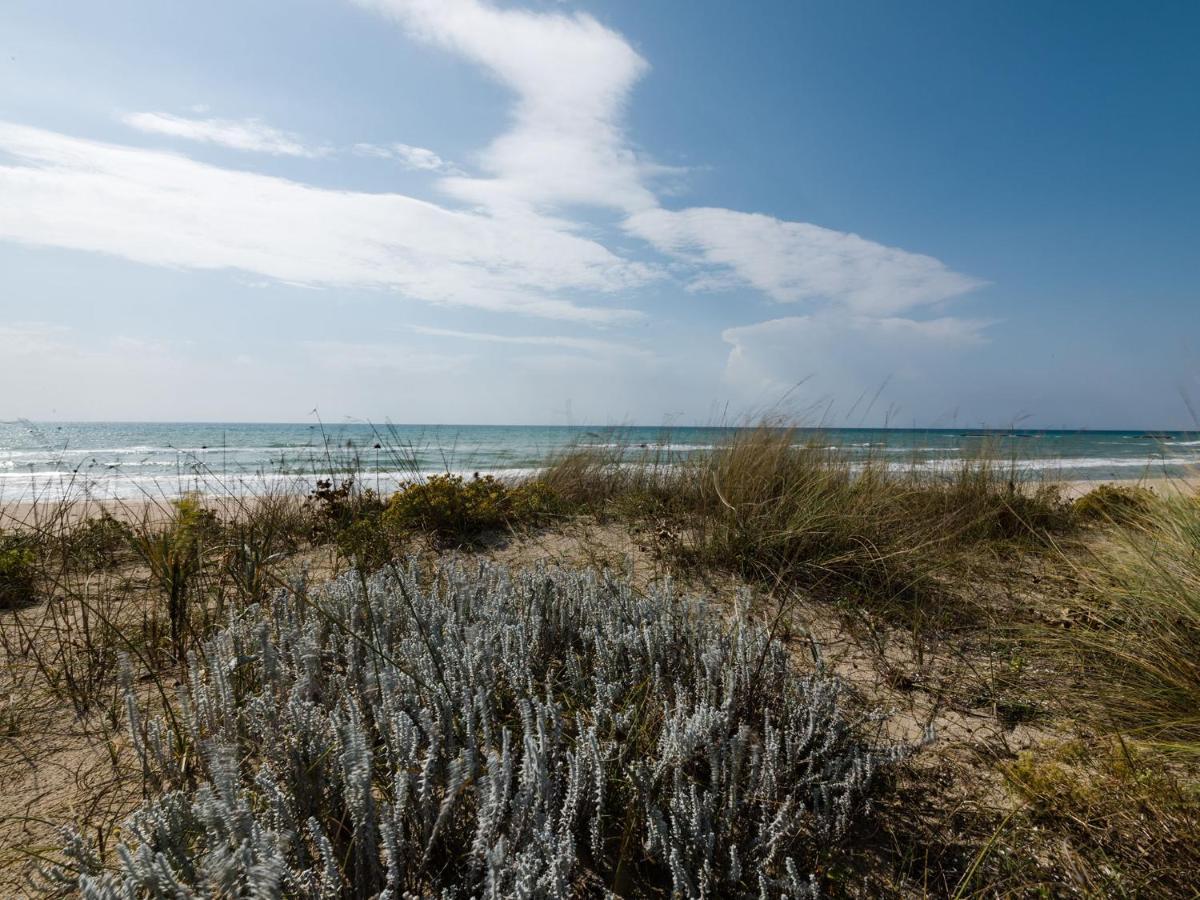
[(408, 156), (238, 134), (163, 209), (572, 77), (797, 261), (838, 358)]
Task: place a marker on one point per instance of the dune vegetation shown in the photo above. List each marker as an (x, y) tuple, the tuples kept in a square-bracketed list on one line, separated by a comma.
[(767, 670)]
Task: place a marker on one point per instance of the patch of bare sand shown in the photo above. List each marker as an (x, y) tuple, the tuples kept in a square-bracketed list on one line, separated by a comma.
[(80, 776)]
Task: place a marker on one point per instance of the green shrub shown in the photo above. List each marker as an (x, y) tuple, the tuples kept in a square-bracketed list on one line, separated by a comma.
[(16, 572), (367, 543), (452, 508), (1120, 504), (97, 542)]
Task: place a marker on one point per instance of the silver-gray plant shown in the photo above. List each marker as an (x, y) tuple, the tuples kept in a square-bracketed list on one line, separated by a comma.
[(483, 733)]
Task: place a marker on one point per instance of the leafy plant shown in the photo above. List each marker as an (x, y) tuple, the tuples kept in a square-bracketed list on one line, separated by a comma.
[(491, 734)]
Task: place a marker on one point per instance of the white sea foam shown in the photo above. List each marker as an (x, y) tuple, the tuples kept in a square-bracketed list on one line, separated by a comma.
[(1061, 463), (16, 487), (651, 445)]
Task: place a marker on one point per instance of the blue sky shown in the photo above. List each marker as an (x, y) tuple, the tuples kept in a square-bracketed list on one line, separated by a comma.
[(463, 211)]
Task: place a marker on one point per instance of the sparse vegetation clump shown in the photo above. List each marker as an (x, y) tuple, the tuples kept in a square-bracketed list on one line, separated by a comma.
[(491, 734), (1126, 822), (17, 567), (174, 554)]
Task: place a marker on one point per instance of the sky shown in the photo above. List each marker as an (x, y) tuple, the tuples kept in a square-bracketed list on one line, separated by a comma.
[(945, 214)]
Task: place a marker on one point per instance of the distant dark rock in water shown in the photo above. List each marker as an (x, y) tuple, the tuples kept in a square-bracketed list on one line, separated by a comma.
[(1158, 435), (998, 432)]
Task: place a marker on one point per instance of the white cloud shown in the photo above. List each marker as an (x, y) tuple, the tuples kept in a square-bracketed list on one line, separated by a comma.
[(238, 134), (355, 355), (586, 345), (797, 261), (514, 248), (572, 77), (163, 209), (29, 338), (839, 358), (408, 156)]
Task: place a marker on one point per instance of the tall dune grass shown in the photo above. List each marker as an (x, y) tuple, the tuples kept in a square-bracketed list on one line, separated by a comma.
[(1139, 638), (770, 505)]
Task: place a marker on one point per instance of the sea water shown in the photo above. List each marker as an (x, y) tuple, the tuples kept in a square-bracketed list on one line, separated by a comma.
[(47, 460)]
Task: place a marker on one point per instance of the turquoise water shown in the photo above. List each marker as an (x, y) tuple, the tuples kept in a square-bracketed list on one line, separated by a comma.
[(128, 460)]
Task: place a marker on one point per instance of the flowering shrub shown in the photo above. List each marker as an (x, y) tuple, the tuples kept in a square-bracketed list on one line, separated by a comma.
[(489, 734), (456, 509)]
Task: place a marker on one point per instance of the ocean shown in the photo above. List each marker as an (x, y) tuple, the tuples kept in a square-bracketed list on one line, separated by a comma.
[(127, 460)]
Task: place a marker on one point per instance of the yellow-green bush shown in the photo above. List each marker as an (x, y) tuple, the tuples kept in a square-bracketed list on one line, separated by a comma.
[(1121, 504), (452, 508)]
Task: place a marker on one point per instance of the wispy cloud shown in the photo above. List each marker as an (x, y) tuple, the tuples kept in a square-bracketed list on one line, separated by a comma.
[(572, 78), (410, 157), (238, 134), (586, 345), (164, 209), (514, 240), (371, 355), (798, 261)]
